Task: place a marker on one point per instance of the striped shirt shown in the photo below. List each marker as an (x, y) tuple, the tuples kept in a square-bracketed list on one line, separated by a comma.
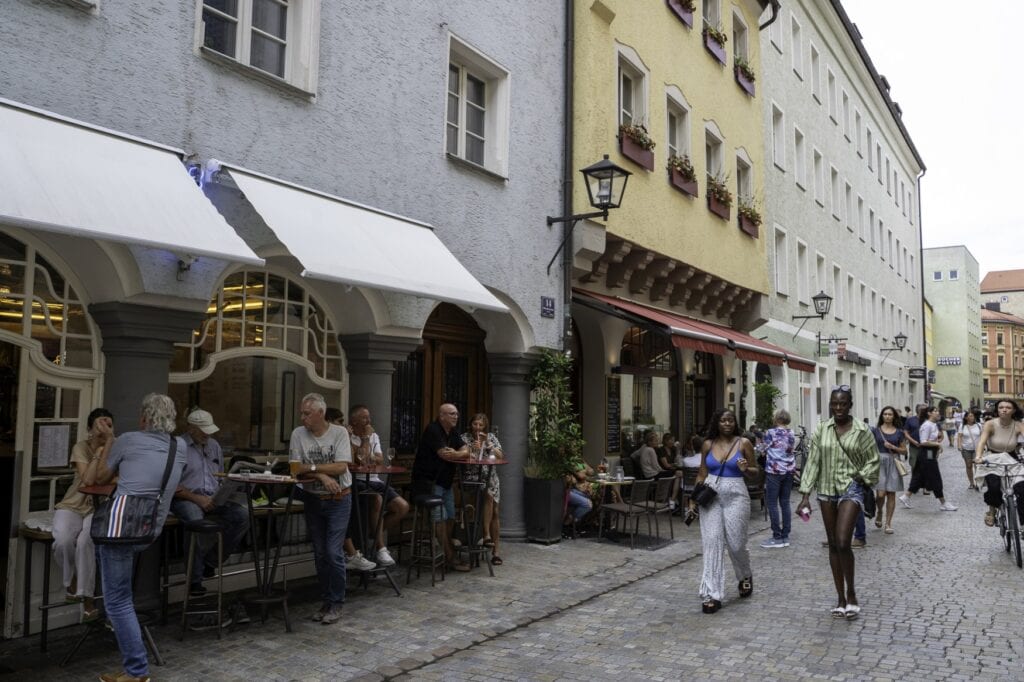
[(828, 469)]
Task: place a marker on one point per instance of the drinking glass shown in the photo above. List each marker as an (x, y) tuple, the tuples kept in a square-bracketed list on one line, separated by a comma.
[(619, 473), (389, 457)]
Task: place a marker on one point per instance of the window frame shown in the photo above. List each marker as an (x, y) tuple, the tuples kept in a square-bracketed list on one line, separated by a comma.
[(497, 83), (780, 245), (778, 137), (676, 104), (796, 38), (799, 158)]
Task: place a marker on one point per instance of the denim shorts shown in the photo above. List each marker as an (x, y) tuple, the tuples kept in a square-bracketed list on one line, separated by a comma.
[(854, 493), (447, 510)]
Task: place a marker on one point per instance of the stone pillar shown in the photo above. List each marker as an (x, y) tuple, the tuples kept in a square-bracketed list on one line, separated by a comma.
[(510, 407), (138, 342), (371, 364)]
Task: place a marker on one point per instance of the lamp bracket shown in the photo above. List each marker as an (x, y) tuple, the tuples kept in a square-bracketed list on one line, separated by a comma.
[(568, 233)]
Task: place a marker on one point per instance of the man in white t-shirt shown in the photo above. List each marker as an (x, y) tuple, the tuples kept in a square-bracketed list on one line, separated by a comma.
[(321, 452)]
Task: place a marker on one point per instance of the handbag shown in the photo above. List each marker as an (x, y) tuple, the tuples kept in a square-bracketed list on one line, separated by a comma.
[(131, 519), (902, 467), (867, 492), (703, 494)]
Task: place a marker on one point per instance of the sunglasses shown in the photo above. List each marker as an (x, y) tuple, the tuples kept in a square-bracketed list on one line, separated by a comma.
[(843, 388)]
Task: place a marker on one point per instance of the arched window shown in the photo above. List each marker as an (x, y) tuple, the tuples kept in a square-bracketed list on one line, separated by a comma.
[(648, 387)]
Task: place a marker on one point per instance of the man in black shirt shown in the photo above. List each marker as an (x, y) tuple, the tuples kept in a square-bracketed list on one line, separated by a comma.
[(431, 473)]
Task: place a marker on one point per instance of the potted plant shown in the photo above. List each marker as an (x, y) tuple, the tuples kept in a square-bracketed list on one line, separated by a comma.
[(719, 197), (555, 442), (714, 41), (683, 9), (681, 174), (749, 217), (636, 144), (744, 74)]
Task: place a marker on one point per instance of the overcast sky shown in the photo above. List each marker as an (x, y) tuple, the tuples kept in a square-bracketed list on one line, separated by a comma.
[(954, 68)]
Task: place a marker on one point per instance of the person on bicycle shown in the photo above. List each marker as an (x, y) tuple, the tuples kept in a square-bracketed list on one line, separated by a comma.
[(1000, 435)]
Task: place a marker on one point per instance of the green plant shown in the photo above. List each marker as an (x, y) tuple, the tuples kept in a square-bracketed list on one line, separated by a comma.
[(556, 437), (716, 33), (718, 189), (638, 133), (765, 395), (748, 210), (688, 5), (683, 166), (745, 68)]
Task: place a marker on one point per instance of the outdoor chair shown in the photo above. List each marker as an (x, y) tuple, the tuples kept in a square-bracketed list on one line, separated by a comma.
[(630, 509)]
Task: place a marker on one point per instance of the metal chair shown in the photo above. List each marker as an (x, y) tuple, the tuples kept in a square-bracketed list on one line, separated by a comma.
[(195, 529), (755, 488), (630, 510), (689, 480), (660, 504)]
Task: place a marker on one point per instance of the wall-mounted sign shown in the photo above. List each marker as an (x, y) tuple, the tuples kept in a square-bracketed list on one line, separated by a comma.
[(947, 361), (917, 372), (613, 416), (547, 306)]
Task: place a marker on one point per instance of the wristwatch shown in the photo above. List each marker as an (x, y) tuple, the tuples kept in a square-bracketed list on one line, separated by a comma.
[(312, 468)]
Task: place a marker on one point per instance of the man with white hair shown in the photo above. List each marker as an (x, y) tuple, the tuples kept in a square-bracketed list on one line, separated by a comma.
[(320, 453), (195, 497)]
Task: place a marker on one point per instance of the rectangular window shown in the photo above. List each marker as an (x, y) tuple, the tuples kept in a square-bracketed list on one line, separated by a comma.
[(861, 226), (937, 276), (984, 361), (911, 269), (820, 283), (1002, 385), (878, 161), (478, 109), (888, 176), (865, 311), (999, 336), (910, 206), (781, 263), (1000, 362), (903, 193), (678, 129), (848, 207), (799, 158), (802, 273), (888, 248), (739, 37), (775, 33), (858, 132), (898, 254), (985, 385), (798, 47), (815, 74), (837, 292), (279, 38), (832, 97), (819, 178), (713, 155), (778, 138), (744, 182), (871, 229), (954, 275), (712, 14), (851, 300), (868, 145), (846, 115), (837, 207)]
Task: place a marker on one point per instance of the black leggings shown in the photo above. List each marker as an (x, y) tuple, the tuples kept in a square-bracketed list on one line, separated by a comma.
[(994, 494)]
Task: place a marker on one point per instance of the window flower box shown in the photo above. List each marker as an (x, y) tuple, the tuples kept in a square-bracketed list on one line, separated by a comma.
[(744, 75), (718, 208), (714, 41), (636, 145), (719, 197), (681, 175), (683, 9), (749, 218)]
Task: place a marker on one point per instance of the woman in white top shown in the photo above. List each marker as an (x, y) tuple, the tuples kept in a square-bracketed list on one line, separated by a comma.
[(926, 475), (967, 442), (1000, 435)]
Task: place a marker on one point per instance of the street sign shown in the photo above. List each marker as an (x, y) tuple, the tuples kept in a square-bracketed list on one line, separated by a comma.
[(917, 372)]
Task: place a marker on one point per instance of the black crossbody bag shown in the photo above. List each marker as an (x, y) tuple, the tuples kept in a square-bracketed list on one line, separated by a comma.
[(703, 494)]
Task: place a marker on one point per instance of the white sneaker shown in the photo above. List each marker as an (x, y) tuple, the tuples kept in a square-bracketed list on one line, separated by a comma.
[(946, 506), (384, 557), (358, 562), (906, 501)]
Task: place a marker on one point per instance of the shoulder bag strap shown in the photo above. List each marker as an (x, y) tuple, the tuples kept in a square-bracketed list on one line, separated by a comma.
[(843, 447), (728, 456), (172, 449)]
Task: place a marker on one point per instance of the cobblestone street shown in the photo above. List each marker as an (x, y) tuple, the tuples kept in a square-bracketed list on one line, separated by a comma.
[(938, 596)]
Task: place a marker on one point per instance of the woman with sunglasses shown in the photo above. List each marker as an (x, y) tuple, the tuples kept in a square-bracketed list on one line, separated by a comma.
[(727, 458), (842, 459)]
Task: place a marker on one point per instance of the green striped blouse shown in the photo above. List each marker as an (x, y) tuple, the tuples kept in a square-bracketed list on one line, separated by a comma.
[(828, 469)]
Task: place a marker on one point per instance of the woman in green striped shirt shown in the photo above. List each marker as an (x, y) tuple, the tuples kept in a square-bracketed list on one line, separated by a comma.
[(843, 457)]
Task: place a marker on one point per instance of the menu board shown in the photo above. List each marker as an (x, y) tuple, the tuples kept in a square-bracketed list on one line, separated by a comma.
[(688, 425), (613, 416)]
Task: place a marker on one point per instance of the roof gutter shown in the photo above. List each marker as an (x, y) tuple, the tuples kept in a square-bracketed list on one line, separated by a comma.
[(773, 18)]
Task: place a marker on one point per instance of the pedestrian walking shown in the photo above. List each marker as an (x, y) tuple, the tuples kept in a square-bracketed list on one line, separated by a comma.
[(927, 475), (842, 459), (1000, 435), (727, 459), (891, 444), (778, 445), (967, 437)]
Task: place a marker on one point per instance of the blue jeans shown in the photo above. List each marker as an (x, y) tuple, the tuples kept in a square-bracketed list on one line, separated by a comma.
[(233, 517), (776, 495), (579, 504), (327, 521), (116, 565)]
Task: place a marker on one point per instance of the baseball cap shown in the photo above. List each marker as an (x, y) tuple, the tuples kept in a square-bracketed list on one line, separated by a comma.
[(204, 420)]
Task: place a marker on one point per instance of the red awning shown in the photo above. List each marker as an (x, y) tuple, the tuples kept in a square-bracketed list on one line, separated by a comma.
[(688, 332)]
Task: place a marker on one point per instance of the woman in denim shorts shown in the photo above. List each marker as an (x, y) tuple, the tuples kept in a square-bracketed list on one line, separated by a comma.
[(843, 457)]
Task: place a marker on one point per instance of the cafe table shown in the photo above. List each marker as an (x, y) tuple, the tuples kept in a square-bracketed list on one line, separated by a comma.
[(384, 473), (474, 550), (611, 486)]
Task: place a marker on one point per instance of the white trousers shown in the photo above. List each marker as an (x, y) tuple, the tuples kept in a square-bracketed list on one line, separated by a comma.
[(74, 551), (723, 527)]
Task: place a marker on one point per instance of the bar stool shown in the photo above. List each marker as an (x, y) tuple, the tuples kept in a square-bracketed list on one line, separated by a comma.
[(423, 549), (195, 529)]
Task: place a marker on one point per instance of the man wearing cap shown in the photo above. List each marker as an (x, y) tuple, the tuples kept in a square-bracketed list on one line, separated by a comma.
[(194, 498)]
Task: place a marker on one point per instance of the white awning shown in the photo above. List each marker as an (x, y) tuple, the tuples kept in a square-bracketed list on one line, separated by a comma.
[(60, 175), (341, 241)]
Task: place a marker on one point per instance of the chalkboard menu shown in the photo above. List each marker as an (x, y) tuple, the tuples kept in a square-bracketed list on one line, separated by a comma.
[(688, 425), (613, 416)]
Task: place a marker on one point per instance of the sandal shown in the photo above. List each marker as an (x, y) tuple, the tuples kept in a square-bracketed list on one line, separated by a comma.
[(990, 519), (711, 605), (878, 522), (90, 615), (487, 542), (496, 561), (889, 530), (746, 587), (852, 611), (838, 612)]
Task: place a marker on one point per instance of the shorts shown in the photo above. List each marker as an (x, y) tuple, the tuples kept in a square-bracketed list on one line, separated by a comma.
[(854, 493), (968, 455), (447, 510), (378, 487)]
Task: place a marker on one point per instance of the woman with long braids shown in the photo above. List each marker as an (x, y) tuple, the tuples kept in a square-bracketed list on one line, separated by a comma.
[(727, 458), (843, 457)]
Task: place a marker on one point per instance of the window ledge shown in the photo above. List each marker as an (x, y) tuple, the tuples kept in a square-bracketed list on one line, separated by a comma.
[(780, 167), (89, 6), (798, 74), (256, 74), (475, 167), (801, 185), (819, 202)]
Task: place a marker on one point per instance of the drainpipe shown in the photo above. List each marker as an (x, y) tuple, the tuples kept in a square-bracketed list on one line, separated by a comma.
[(920, 259), (567, 173)]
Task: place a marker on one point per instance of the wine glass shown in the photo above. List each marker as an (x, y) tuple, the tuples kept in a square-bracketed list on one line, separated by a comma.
[(389, 457)]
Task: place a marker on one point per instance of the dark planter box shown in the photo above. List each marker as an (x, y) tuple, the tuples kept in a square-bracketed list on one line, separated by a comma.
[(748, 226), (684, 15), (717, 51), (680, 183), (718, 208), (747, 85), (545, 501), (635, 153)]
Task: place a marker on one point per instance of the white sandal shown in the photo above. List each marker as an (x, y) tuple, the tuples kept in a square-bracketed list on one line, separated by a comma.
[(838, 612), (852, 611)]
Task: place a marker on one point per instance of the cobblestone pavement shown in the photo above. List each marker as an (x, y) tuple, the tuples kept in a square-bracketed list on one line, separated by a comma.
[(936, 595)]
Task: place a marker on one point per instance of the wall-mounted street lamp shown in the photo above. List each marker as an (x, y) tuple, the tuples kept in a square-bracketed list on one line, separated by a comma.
[(606, 184), (901, 342), (822, 302)]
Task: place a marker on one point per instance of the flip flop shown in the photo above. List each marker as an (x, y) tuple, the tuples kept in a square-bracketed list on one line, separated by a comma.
[(838, 612), (852, 611), (487, 542), (496, 561)]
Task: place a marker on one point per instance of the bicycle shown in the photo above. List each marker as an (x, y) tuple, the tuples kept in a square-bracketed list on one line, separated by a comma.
[(799, 453), (1006, 515)]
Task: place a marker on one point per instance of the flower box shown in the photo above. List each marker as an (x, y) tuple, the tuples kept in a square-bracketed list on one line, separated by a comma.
[(748, 226), (635, 153), (682, 12), (680, 182), (718, 208), (716, 49), (744, 82)]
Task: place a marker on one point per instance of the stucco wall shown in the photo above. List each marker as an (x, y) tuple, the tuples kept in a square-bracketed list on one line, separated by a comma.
[(956, 320)]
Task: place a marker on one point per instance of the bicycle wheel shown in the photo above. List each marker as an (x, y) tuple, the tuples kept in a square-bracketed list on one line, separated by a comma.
[(1003, 532), (1013, 531)]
